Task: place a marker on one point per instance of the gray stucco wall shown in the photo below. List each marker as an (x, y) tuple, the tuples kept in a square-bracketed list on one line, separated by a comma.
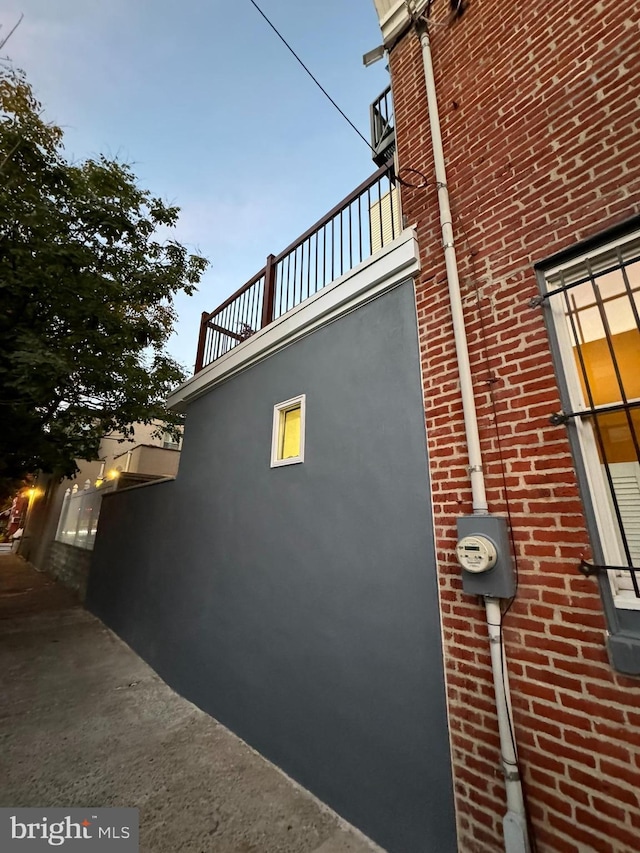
[(298, 605)]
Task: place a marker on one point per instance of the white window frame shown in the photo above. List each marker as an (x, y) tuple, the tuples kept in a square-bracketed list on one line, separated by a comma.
[(606, 523), (278, 411)]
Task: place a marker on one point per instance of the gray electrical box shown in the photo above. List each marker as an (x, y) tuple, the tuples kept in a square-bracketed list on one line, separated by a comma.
[(484, 552)]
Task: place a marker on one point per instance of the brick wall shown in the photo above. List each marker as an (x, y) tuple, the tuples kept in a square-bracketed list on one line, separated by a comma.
[(70, 566), (540, 117)]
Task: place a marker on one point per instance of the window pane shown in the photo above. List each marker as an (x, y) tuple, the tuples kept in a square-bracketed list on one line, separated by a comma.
[(610, 368), (625, 478), (618, 436), (290, 436), (603, 325)]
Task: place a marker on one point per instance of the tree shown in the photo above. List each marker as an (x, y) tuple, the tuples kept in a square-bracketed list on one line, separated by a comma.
[(86, 295)]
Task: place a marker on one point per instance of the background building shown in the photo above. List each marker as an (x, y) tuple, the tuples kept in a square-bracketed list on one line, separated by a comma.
[(62, 516)]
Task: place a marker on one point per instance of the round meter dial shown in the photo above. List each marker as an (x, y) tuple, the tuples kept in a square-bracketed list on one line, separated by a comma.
[(476, 554)]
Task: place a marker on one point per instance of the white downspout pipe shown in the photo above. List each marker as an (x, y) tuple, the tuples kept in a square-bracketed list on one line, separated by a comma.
[(515, 824), (478, 494)]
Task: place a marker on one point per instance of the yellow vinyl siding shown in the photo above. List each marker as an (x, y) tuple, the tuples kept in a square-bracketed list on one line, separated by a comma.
[(385, 219)]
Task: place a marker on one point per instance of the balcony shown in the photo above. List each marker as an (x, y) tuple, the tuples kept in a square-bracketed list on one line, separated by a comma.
[(383, 134), (367, 220)]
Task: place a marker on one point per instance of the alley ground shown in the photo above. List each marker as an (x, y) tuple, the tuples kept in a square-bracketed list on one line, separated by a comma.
[(84, 722)]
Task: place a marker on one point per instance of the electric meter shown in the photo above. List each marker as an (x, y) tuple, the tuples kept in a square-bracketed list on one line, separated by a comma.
[(484, 552), (476, 554)]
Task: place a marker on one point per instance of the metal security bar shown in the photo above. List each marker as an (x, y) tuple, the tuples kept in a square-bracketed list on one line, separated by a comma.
[(597, 301), (363, 223)]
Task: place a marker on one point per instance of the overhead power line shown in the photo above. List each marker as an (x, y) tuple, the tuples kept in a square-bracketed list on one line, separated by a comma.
[(11, 32), (315, 80)]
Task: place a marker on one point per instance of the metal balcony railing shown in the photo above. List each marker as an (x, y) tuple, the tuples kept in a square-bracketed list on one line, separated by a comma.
[(383, 135), (365, 221)]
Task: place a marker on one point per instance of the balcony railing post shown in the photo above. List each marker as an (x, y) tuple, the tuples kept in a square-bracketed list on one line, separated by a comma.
[(201, 341), (269, 291)]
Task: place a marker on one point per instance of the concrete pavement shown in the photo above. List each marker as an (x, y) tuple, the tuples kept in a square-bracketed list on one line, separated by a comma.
[(84, 722)]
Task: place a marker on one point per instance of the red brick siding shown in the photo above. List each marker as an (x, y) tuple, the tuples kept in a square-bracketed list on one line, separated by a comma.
[(540, 112)]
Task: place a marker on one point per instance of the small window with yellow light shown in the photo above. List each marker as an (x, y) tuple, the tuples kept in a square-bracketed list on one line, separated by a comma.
[(287, 445)]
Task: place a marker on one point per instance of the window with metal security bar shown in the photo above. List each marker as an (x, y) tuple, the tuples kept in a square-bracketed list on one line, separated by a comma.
[(594, 302)]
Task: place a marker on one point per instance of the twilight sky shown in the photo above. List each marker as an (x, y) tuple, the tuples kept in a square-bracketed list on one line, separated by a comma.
[(213, 112)]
